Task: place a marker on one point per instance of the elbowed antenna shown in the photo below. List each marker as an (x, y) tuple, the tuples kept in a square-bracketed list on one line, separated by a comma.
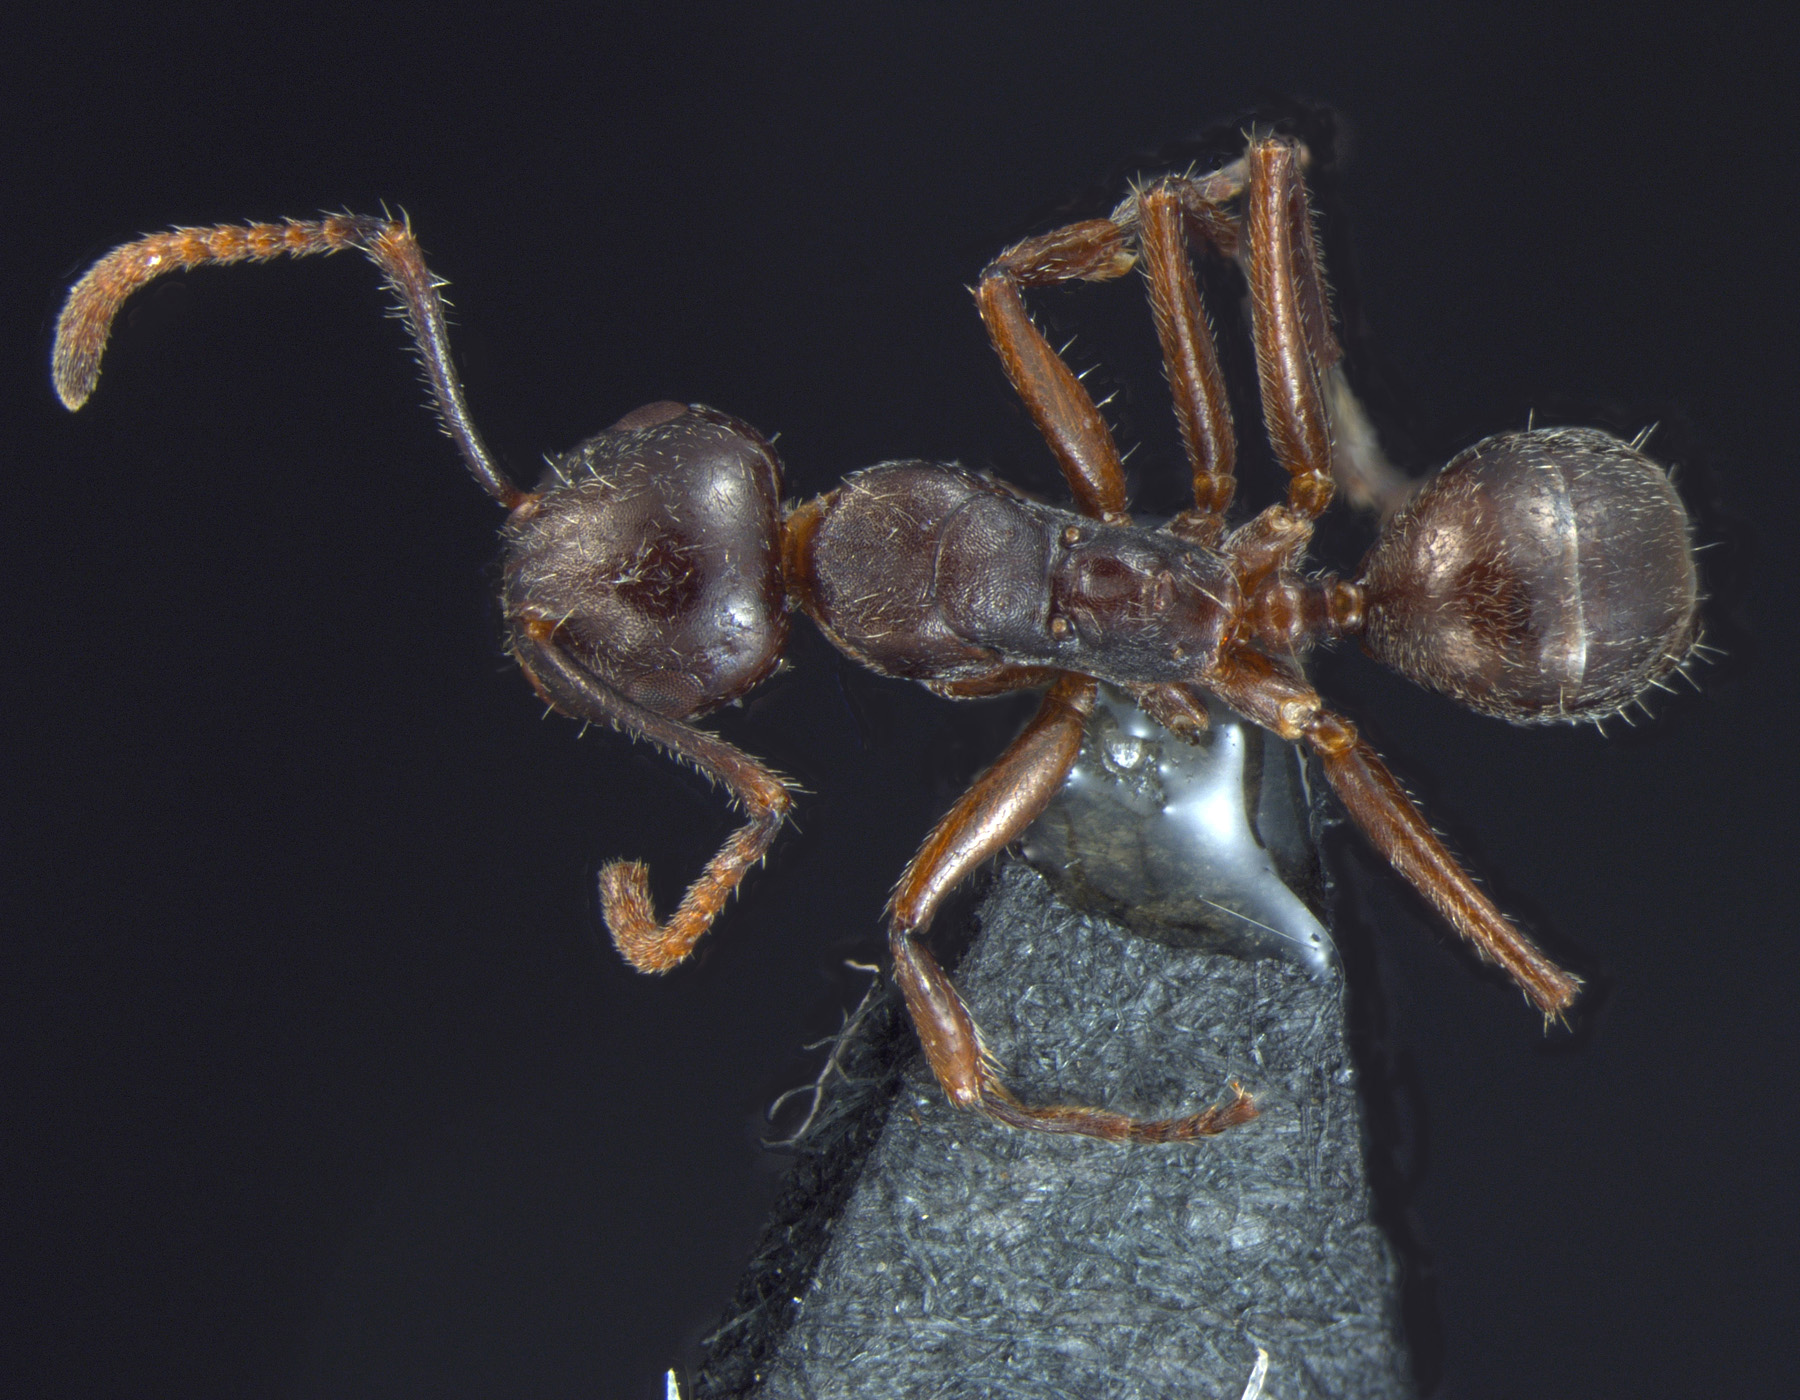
[(87, 317)]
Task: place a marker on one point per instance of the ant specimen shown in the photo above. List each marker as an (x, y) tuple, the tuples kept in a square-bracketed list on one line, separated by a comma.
[(1540, 576)]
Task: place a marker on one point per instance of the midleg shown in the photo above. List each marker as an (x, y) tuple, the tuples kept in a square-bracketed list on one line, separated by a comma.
[(1358, 465), (1095, 251), (998, 806), (1202, 407), (1291, 319)]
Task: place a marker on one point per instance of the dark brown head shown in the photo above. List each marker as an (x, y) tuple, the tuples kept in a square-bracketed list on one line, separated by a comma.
[(653, 549), (1540, 576)]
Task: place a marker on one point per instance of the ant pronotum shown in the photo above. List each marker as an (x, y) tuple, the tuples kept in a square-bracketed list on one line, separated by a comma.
[(1541, 576)]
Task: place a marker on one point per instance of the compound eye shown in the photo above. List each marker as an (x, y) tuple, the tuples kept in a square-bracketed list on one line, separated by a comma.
[(651, 415)]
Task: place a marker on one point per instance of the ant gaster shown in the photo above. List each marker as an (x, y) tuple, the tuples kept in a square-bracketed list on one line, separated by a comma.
[(1541, 576)]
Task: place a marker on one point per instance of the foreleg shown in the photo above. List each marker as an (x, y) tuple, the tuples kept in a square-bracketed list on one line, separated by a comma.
[(625, 899)]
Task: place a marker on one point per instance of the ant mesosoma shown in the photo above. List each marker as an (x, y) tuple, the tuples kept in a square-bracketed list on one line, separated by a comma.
[(1541, 576)]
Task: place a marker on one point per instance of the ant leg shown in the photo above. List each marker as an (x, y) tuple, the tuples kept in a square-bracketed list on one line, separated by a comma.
[(1097, 250), (86, 320), (1267, 695), (1191, 360), (1003, 681), (625, 898), (999, 805), (1362, 470), (1399, 831), (1065, 413), (1176, 706), (1291, 320), (1359, 466)]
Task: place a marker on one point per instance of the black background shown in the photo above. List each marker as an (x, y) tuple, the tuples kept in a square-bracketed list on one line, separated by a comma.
[(318, 1076)]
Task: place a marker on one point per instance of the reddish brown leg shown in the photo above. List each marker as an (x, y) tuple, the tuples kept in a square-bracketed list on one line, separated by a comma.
[(1180, 709), (1405, 839), (1201, 405), (1358, 465), (625, 898), (1257, 688), (1164, 213), (1064, 411), (94, 301), (1004, 681), (1291, 322), (1095, 251), (998, 806), (1291, 325)]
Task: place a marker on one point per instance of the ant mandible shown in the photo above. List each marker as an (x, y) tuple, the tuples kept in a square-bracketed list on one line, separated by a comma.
[(1540, 576)]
